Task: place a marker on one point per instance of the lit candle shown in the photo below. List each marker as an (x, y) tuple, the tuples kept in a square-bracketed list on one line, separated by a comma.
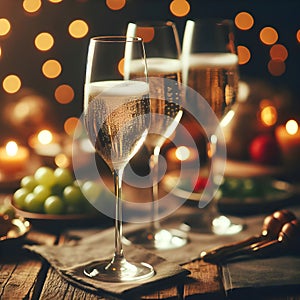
[(45, 143), (288, 137), (13, 158)]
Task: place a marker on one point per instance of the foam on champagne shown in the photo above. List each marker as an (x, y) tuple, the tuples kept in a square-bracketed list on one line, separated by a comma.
[(212, 60), (118, 88), (157, 65)]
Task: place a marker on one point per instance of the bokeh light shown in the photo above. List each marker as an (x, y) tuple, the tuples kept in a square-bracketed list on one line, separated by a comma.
[(121, 66), (291, 127), (62, 160), (298, 36), (146, 33), (55, 1), (64, 94), (32, 6), (179, 8), (278, 52), (115, 4), (269, 115), (268, 35), (276, 67), (11, 83), (11, 148), (45, 137), (78, 29), (0, 51), (244, 20), (244, 54), (44, 41), (51, 68), (70, 125), (182, 153), (4, 26)]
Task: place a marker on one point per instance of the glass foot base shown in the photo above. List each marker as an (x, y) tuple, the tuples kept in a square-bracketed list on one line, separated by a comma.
[(118, 270), (218, 224), (222, 225), (161, 239)]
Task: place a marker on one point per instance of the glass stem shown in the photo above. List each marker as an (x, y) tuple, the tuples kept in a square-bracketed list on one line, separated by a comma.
[(154, 192), (118, 175)]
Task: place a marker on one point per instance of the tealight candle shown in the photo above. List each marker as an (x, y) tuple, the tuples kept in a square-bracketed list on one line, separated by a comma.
[(13, 158), (45, 143), (288, 137)]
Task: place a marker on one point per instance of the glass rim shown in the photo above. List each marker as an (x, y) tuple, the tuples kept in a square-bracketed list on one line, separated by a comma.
[(212, 20), (115, 38), (154, 23)]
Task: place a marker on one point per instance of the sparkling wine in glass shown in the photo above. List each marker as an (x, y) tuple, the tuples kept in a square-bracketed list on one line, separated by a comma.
[(210, 67), (116, 116), (164, 70)]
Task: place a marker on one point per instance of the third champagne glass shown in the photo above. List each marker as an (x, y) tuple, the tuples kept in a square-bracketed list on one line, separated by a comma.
[(163, 49), (210, 67)]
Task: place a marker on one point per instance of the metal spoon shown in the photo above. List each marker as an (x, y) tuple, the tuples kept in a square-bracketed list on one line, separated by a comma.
[(271, 227)]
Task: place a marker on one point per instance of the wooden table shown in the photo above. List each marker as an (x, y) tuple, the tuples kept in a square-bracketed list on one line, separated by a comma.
[(24, 275)]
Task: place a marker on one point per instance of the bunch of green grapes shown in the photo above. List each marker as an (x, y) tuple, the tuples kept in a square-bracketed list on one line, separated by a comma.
[(55, 191)]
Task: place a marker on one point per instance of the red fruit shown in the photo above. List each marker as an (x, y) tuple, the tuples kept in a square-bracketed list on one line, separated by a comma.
[(264, 149), (200, 184)]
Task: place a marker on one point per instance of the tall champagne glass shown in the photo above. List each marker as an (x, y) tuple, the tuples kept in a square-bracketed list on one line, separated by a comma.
[(210, 67), (164, 70), (116, 114)]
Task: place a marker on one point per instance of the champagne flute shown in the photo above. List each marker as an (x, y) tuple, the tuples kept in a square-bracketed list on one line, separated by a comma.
[(164, 70), (116, 116), (210, 67)]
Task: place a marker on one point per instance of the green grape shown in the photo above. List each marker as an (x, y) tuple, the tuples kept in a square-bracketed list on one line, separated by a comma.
[(28, 182), (54, 205), (42, 192), (91, 190), (34, 203), (63, 177), (73, 195), (19, 197), (45, 176)]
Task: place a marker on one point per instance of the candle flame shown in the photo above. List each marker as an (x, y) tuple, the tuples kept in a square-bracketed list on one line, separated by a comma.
[(45, 137), (269, 115), (291, 127), (11, 148)]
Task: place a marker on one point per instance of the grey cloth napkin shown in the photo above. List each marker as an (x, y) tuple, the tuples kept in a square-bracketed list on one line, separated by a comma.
[(69, 260), (252, 276)]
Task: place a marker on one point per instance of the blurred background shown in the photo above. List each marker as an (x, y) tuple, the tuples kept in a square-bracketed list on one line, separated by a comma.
[(43, 45)]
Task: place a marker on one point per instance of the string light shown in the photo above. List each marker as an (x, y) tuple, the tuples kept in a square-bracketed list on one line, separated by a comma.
[(4, 26), (44, 41), (70, 125), (278, 52), (115, 4), (32, 6), (78, 29), (64, 94), (298, 36), (244, 20), (276, 67), (146, 33), (51, 68), (244, 54), (11, 84), (268, 35), (179, 8)]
